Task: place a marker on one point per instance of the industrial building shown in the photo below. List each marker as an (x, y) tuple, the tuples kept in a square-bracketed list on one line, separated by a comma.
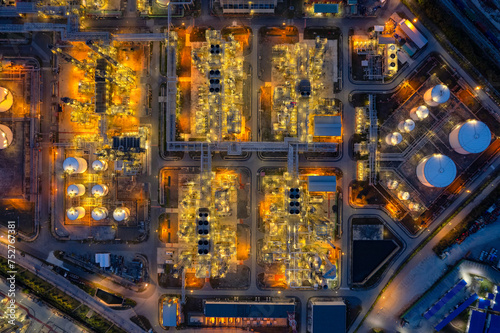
[(247, 7), (326, 316), (250, 313)]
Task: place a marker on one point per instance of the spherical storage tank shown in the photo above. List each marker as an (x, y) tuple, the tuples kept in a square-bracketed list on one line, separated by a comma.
[(121, 214), (407, 126), (6, 136), (436, 95), (99, 190), (393, 138), (75, 213), (75, 165), (76, 190), (99, 165), (99, 213), (436, 170), (419, 113), (6, 99), (471, 137)]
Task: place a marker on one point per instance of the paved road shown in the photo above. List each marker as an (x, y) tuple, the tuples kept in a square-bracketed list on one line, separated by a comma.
[(147, 301)]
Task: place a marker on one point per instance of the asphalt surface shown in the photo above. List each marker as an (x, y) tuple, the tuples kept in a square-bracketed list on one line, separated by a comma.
[(148, 300)]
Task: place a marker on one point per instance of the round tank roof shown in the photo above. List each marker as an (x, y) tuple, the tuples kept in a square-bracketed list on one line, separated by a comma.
[(120, 213), (99, 190), (394, 138), (422, 112), (474, 136), (73, 190), (407, 126), (99, 213), (6, 136), (98, 165), (6, 99), (440, 93), (71, 164), (439, 170), (74, 213)]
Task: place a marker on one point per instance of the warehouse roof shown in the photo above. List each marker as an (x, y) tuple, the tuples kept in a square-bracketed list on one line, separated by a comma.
[(327, 126), (248, 309), (322, 183)]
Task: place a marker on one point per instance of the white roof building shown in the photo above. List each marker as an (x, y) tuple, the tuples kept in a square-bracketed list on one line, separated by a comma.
[(327, 125), (411, 31), (322, 183), (103, 259)]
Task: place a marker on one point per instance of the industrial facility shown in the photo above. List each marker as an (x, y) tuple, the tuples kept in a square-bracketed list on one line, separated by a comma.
[(302, 81), (217, 90), (105, 146), (296, 214), (433, 137)]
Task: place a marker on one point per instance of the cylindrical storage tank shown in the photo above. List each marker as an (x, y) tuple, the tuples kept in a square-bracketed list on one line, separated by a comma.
[(121, 214), (75, 213), (414, 207), (419, 113), (6, 136), (76, 190), (392, 184), (402, 195), (436, 95), (6, 99), (471, 137), (436, 171), (99, 213), (99, 165), (406, 126), (99, 190), (394, 138), (75, 165)]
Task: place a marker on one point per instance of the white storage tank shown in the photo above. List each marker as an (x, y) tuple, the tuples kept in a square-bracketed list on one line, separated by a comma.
[(402, 195), (407, 126), (436, 171), (99, 165), (6, 99), (99, 190), (99, 213), (419, 113), (121, 213), (392, 184), (394, 139), (471, 137), (76, 190), (6, 136), (414, 207), (75, 165), (436, 95), (75, 213)]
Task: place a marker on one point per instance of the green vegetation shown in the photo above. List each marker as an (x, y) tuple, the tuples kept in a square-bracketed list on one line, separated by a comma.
[(59, 300), (467, 222), (433, 14)]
